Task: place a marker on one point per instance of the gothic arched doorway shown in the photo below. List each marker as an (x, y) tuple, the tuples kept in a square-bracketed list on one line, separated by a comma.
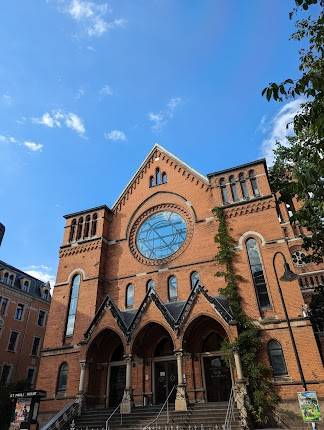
[(106, 370), (202, 340), (154, 346)]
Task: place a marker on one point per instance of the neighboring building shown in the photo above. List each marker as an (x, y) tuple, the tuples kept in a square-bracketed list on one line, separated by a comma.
[(24, 307), (129, 319)]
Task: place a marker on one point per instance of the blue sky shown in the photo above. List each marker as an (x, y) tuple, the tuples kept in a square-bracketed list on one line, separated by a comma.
[(87, 88)]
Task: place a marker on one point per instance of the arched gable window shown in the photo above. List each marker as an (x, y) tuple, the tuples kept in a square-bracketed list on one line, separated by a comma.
[(79, 230), (158, 177), (152, 181), (244, 189), (150, 284), (194, 278), (164, 178), (73, 303), (277, 359), (5, 278), (232, 181), (222, 185), (72, 230), (254, 183), (62, 378), (11, 279), (94, 224), (172, 288), (25, 286), (86, 227), (129, 299), (257, 273)]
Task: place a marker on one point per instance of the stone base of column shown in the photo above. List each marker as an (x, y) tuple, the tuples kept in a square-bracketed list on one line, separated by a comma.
[(240, 395), (181, 401), (127, 403)]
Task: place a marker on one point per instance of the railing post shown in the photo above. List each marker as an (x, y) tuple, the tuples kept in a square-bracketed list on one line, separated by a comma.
[(126, 404), (180, 401)]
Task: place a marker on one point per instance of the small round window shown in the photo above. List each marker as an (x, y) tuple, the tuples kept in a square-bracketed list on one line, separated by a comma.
[(298, 258), (161, 235)]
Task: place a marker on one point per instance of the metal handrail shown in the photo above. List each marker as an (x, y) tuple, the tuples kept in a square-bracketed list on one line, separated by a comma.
[(158, 415), (68, 412), (112, 414), (230, 411)]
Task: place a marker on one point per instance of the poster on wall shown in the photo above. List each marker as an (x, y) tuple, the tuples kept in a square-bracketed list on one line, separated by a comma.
[(309, 406), (22, 412)]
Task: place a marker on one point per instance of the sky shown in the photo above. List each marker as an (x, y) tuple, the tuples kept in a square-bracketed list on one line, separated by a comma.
[(88, 87)]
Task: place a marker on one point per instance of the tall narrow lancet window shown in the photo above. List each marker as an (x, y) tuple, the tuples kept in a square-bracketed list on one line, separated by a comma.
[(244, 189), (62, 378), (150, 285), (164, 178), (172, 289), (79, 229), (277, 359), (235, 196), (86, 227), (73, 304), (94, 224), (254, 183), (130, 292), (11, 279), (72, 230), (152, 181), (222, 185), (257, 273), (5, 278), (158, 177), (194, 279)]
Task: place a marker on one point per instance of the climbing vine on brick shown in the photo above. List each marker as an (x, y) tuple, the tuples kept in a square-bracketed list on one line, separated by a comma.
[(262, 397)]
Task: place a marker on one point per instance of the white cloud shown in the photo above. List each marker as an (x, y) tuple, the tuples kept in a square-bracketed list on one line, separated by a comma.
[(41, 272), (7, 100), (106, 90), (33, 146), (7, 139), (92, 16), (160, 119), (59, 118), (276, 129), (115, 135), (80, 93)]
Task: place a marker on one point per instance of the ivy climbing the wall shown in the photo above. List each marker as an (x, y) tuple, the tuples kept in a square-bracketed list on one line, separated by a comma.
[(262, 397)]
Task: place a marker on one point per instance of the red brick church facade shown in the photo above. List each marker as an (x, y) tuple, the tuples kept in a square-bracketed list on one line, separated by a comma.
[(137, 310)]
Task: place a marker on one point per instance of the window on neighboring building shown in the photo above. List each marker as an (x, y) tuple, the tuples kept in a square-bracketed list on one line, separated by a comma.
[(257, 273), (222, 185), (3, 305), (73, 302), (254, 183), (79, 229), (86, 227), (62, 378), (194, 279), (172, 288), (150, 284), (130, 292), (244, 189), (277, 359), (5, 374), (72, 230), (6, 278), (41, 318), (13, 341), (35, 348), (94, 224), (11, 280), (19, 312), (25, 286), (235, 196), (46, 294), (30, 376)]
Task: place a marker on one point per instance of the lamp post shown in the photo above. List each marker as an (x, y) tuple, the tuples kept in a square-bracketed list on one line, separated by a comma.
[(288, 276)]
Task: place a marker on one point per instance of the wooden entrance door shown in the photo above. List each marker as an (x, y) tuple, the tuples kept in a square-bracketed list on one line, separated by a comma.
[(116, 384), (218, 379), (166, 376)]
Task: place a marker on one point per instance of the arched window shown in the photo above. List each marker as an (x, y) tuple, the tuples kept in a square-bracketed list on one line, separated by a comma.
[(257, 273), (150, 285), (86, 227), (254, 183), (73, 303), (235, 196), (277, 359), (222, 185), (152, 181), (244, 189), (157, 177), (172, 289), (130, 292), (164, 178), (194, 278), (25, 286), (62, 378), (11, 279), (79, 230), (94, 224), (72, 230), (5, 278)]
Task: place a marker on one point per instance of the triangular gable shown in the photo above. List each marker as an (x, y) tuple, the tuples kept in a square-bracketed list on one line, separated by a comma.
[(157, 151)]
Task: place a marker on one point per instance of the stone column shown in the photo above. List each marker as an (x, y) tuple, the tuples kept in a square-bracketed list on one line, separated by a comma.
[(84, 370), (126, 404), (240, 391), (238, 365), (180, 401)]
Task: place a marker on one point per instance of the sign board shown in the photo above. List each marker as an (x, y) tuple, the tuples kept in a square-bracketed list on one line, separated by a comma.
[(309, 406), (25, 405)]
